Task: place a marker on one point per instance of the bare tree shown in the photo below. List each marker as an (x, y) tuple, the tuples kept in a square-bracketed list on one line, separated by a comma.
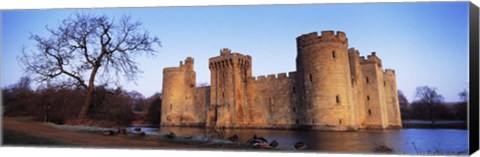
[(463, 95), (86, 49), (460, 109), (429, 97)]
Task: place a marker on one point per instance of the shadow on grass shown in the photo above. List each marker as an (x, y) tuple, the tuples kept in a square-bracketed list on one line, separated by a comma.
[(14, 138)]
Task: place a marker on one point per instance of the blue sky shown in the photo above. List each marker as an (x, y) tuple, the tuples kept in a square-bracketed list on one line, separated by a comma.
[(426, 43)]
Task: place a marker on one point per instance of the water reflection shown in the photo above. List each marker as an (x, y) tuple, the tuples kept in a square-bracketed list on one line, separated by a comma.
[(409, 141)]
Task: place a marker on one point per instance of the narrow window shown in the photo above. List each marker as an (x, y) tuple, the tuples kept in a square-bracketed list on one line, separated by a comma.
[(271, 101), (313, 121), (311, 78), (384, 83), (293, 90), (333, 54), (223, 94), (338, 99), (245, 74), (340, 121), (368, 97), (294, 109), (367, 79), (170, 106), (296, 121), (369, 112)]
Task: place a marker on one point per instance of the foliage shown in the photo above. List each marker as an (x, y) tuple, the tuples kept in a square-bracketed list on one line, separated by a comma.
[(154, 111), (430, 102), (403, 103), (15, 97), (61, 105), (112, 105), (460, 109), (430, 106)]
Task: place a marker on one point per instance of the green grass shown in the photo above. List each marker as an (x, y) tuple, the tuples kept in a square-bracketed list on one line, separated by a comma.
[(14, 138)]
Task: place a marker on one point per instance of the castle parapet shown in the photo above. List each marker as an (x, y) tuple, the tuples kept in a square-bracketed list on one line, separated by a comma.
[(228, 59), (353, 51), (171, 69), (326, 36), (274, 77), (261, 78), (271, 77), (225, 51), (282, 75), (292, 74), (371, 59), (389, 71)]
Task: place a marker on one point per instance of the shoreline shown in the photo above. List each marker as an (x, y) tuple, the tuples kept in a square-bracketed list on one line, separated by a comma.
[(32, 133), (441, 124)]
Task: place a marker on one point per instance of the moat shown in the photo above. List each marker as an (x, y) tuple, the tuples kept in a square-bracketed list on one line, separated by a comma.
[(403, 141)]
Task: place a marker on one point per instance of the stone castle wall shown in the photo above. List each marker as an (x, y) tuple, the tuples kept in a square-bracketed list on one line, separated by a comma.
[(358, 84), (272, 100), (334, 88), (391, 95), (374, 91)]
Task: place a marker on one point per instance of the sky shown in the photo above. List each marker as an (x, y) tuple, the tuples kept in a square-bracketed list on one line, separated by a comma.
[(425, 43)]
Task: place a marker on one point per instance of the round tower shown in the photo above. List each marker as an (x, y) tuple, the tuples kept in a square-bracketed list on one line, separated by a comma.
[(324, 77), (178, 94)]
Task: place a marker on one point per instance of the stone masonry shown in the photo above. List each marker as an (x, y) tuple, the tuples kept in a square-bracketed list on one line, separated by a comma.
[(333, 88)]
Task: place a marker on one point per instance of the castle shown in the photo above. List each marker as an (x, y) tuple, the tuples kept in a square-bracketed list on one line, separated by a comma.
[(334, 88)]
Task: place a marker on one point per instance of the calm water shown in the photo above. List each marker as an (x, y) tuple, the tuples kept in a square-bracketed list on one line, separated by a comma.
[(409, 141)]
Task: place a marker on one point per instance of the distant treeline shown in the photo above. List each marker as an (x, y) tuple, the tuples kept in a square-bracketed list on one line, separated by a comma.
[(61, 105), (429, 105)]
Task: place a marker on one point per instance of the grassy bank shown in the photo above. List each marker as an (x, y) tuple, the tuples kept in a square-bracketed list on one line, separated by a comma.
[(25, 132), (14, 138)]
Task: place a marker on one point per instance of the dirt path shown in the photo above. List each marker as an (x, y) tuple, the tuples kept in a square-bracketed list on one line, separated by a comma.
[(84, 139)]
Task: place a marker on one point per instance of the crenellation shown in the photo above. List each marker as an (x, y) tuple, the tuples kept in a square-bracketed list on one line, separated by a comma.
[(225, 51), (354, 51), (389, 71), (275, 77), (271, 77), (261, 78), (371, 59), (292, 74), (333, 88), (326, 37), (171, 69)]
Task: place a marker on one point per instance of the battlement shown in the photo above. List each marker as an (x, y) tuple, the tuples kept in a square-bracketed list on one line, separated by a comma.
[(389, 71), (326, 37), (371, 59), (188, 60), (187, 64), (353, 51), (273, 77), (225, 51), (228, 58), (171, 69)]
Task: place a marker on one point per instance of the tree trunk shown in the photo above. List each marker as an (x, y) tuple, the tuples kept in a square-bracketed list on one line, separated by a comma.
[(86, 104)]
